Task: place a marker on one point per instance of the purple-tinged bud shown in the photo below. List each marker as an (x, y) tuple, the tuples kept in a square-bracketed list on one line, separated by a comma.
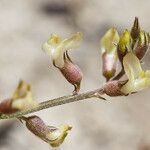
[(37, 126), (135, 31), (51, 135), (21, 99), (5, 107), (109, 65), (142, 44), (113, 88), (109, 53), (72, 73)]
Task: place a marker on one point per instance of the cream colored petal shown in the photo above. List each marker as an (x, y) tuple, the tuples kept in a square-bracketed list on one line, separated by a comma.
[(18, 104), (109, 40), (57, 137), (22, 97), (24, 103), (124, 41), (65, 45), (137, 85), (132, 69), (141, 84), (138, 79), (47, 48), (54, 40), (148, 73), (73, 42), (50, 46), (22, 89), (132, 66), (128, 87)]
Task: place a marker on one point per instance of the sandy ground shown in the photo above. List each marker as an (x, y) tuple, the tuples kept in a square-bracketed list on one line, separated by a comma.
[(118, 124)]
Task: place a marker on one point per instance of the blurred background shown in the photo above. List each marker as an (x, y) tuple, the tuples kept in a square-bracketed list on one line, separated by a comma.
[(118, 124)]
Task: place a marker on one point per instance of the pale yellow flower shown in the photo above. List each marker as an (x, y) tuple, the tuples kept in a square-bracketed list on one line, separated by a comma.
[(57, 47), (57, 137), (124, 42), (137, 78), (109, 41), (109, 52), (22, 98)]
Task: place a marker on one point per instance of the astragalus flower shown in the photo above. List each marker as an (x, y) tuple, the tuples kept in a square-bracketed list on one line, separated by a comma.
[(142, 44), (52, 135), (22, 99), (109, 52), (137, 78), (58, 50), (135, 30), (124, 45)]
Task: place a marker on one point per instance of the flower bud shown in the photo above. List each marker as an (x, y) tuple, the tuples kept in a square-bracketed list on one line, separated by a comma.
[(58, 48), (113, 88), (51, 135), (142, 44), (109, 65), (72, 73), (5, 107), (109, 53), (135, 30), (22, 90), (123, 45), (21, 99)]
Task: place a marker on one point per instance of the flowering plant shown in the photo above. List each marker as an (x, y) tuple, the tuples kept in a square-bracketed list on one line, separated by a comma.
[(127, 49)]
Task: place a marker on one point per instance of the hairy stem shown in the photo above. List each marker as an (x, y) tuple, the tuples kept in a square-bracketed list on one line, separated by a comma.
[(55, 102)]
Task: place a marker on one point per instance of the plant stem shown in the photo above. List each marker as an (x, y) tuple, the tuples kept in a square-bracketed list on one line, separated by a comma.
[(55, 102)]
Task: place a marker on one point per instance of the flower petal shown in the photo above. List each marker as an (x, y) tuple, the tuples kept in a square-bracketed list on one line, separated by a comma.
[(141, 84), (124, 42), (109, 53), (132, 66), (109, 40), (137, 78), (50, 46), (73, 42), (147, 73), (57, 137), (67, 44), (22, 97)]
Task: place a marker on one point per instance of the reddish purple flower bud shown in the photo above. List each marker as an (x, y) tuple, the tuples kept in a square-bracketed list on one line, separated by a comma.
[(135, 31), (51, 135), (109, 53), (109, 65), (72, 73), (37, 127), (142, 44), (113, 88), (5, 107)]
